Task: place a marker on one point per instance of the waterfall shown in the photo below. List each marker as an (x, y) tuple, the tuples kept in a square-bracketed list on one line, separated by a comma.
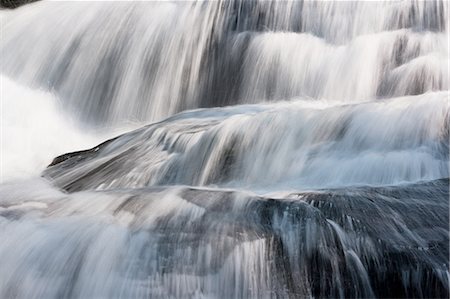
[(145, 61), (294, 145), (225, 149)]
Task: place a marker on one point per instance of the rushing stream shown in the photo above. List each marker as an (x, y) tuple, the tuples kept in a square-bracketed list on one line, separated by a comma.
[(225, 149)]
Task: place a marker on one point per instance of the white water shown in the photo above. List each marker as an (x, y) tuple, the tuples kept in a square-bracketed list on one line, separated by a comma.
[(35, 129), (149, 60), (318, 95), (294, 145), (386, 64), (123, 62), (182, 243)]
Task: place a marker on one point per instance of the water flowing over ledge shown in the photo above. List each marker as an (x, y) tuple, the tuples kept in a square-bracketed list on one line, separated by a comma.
[(293, 145), (111, 62), (182, 242), (281, 149)]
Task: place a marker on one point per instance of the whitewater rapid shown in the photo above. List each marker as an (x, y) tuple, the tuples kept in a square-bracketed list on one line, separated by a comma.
[(225, 149), (146, 61), (35, 129), (292, 145)]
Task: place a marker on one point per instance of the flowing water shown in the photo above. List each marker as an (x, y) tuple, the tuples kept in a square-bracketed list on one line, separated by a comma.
[(274, 149)]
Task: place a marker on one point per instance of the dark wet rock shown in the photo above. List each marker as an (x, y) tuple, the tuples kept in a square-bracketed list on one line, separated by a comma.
[(365, 242), (14, 3)]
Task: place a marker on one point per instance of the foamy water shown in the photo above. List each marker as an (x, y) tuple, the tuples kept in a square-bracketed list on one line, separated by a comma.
[(290, 150)]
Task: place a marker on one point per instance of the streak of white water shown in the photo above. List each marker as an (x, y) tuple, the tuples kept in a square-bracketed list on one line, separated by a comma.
[(184, 243), (111, 62), (292, 145), (394, 63)]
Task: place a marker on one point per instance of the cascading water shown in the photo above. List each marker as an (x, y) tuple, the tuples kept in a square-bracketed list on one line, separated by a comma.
[(147, 61), (280, 150)]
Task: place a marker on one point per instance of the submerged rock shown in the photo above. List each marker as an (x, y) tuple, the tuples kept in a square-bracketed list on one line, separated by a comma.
[(181, 242), (281, 146)]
